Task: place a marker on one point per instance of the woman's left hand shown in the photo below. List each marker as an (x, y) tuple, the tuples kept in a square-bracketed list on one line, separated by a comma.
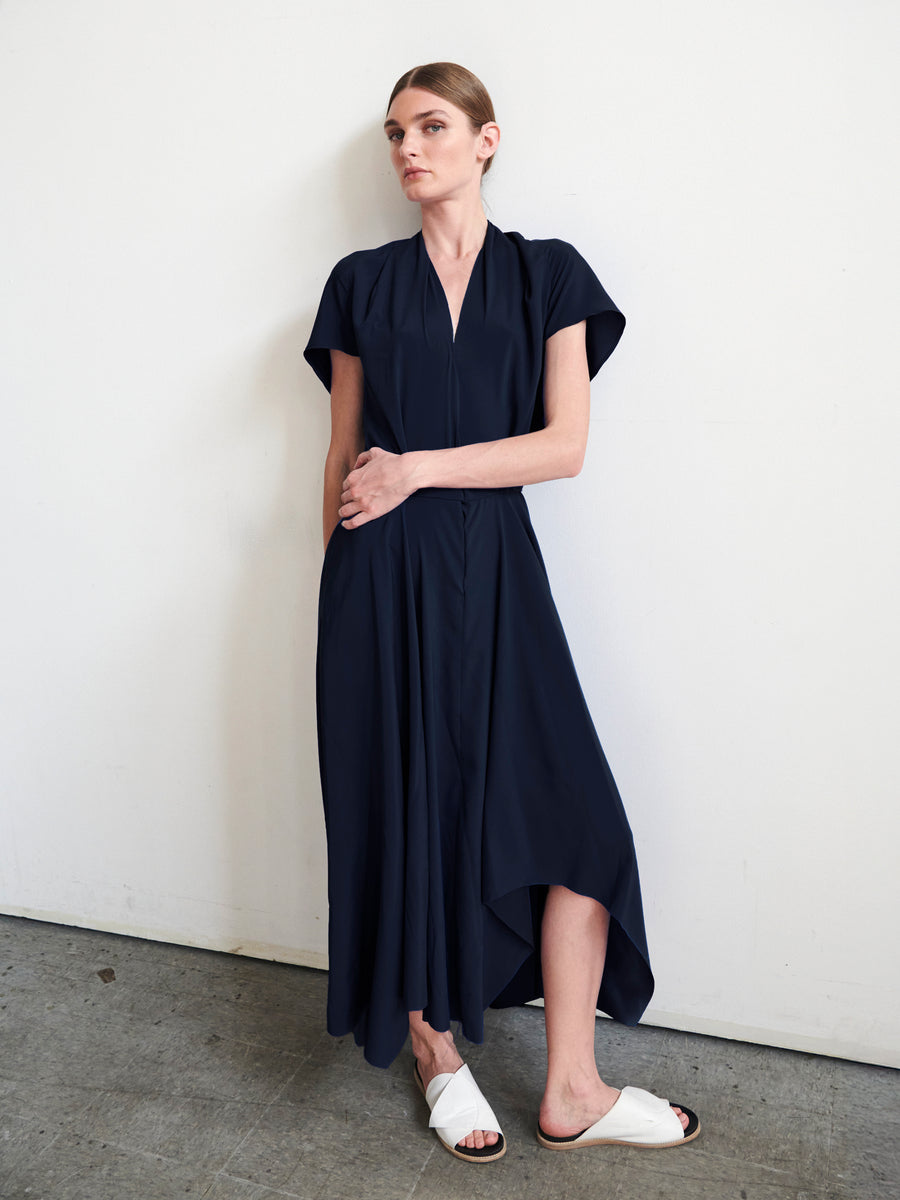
[(378, 482)]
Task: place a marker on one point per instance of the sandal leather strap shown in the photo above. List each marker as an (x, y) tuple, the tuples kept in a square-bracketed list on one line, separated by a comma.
[(458, 1106), (637, 1116)]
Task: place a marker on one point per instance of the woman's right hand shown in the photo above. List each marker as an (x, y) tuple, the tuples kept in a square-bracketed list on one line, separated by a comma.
[(379, 481)]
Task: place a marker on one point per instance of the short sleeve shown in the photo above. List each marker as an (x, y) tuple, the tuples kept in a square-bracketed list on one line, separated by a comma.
[(333, 326), (574, 293)]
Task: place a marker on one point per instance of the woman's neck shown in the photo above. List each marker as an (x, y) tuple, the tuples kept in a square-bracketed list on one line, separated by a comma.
[(453, 228)]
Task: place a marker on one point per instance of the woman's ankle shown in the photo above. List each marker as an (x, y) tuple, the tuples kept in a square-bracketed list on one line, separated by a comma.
[(429, 1045), (572, 1073), (579, 1094)]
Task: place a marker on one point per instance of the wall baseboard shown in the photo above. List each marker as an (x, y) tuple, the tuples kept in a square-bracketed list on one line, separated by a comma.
[(882, 1056), (176, 937)]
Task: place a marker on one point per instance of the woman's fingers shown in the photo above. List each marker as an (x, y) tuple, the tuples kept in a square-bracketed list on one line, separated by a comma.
[(376, 471), (355, 520)]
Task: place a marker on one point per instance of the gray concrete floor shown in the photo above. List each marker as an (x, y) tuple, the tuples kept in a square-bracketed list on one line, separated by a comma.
[(204, 1074)]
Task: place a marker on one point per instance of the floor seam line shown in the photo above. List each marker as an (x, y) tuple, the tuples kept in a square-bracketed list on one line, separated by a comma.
[(412, 1191)]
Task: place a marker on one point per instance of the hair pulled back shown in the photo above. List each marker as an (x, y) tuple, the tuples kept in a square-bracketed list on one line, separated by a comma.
[(455, 84)]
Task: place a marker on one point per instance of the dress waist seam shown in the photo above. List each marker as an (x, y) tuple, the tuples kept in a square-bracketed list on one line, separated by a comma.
[(443, 493)]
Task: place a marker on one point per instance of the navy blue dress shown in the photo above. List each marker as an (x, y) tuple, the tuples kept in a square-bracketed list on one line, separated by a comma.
[(461, 771)]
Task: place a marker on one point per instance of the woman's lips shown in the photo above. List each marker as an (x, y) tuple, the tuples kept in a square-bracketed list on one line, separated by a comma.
[(414, 172)]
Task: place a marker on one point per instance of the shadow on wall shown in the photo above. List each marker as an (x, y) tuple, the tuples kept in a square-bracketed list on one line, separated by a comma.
[(274, 835), (370, 204)]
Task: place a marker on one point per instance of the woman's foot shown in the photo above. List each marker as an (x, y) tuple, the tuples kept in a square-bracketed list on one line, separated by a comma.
[(569, 1110), (574, 934), (436, 1054)]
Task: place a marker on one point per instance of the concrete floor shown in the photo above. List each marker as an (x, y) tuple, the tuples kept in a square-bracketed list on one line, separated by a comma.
[(204, 1074)]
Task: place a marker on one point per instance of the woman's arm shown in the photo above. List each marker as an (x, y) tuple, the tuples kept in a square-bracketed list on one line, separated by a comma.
[(553, 452), (346, 433), (380, 480)]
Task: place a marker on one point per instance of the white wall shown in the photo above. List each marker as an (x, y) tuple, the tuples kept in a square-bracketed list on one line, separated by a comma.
[(179, 179)]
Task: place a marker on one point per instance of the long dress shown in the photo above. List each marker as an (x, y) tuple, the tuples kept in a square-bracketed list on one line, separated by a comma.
[(461, 771)]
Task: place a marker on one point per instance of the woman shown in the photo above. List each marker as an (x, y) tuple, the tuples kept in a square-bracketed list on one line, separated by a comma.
[(478, 852)]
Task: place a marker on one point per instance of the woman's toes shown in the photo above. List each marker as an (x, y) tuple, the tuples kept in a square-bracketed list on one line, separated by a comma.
[(477, 1140), (682, 1117)]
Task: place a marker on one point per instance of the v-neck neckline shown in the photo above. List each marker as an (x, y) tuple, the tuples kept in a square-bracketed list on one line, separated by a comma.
[(455, 331)]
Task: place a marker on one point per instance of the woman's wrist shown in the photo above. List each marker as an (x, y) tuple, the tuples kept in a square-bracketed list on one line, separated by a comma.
[(417, 461)]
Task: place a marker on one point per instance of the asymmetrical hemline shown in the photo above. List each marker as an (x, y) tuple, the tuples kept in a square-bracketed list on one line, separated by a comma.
[(461, 771)]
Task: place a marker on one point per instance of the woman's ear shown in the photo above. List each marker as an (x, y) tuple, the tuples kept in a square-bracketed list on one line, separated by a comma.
[(489, 140)]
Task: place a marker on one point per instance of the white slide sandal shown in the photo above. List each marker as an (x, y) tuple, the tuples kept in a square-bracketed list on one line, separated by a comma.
[(457, 1108), (637, 1118)]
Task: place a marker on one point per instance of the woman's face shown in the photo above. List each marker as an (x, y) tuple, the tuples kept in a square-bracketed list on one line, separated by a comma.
[(434, 150)]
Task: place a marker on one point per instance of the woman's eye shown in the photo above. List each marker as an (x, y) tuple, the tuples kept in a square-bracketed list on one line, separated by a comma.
[(395, 136), (434, 128)]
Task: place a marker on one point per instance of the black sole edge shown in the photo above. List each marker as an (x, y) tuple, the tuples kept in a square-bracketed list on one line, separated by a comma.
[(693, 1124)]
